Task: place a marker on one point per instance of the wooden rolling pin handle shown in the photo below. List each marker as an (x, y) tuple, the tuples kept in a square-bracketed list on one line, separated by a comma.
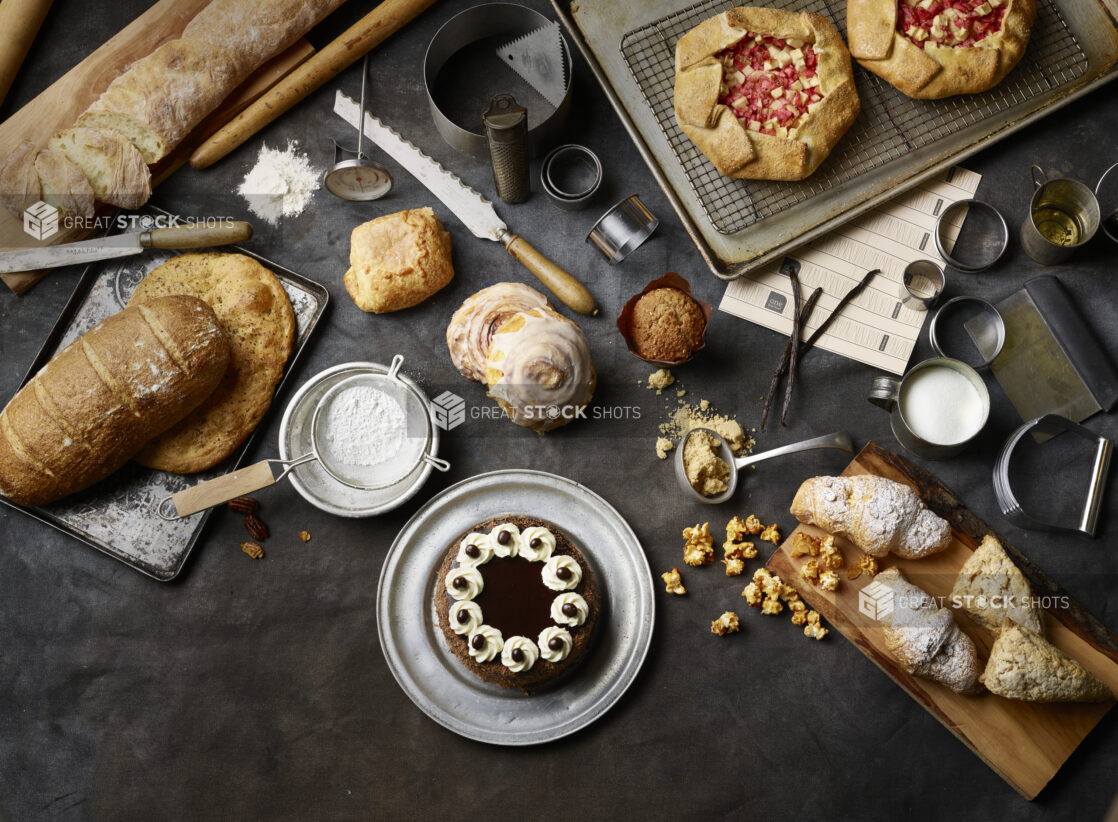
[(199, 235), (216, 491), (570, 291), (353, 44), (19, 22)]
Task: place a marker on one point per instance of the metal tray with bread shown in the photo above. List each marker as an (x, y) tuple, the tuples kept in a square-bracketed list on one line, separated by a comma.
[(895, 143), (1025, 742), (118, 515)]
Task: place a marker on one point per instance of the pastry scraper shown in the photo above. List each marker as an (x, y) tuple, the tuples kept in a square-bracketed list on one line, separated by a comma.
[(1051, 363), (538, 57)]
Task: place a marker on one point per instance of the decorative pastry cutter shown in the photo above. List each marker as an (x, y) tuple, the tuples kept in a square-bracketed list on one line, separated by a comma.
[(540, 58), (1048, 426)]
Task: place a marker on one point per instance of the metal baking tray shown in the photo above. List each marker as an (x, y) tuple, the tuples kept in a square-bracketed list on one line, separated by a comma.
[(896, 143), (117, 516)]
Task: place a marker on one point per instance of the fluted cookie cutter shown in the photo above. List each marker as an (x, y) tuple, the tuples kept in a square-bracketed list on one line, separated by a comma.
[(1049, 426)]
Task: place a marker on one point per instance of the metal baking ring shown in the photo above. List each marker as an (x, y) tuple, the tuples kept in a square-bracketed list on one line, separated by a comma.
[(970, 268), (568, 154), (929, 271), (507, 20), (988, 309), (622, 229)]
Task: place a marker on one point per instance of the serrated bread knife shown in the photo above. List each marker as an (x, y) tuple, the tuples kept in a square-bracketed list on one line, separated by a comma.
[(471, 208), (198, 235)]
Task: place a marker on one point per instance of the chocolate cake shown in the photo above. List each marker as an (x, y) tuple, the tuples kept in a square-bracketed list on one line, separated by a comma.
[(516, 601)]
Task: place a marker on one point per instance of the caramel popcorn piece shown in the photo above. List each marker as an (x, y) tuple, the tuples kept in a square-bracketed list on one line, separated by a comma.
[(699, 548), (753, 595), (735, 555), (734, 566), (810, 571), (866, 565), (773, 587), (813, 629), (305, 536), (736, 530), (728, 623), (753, 525), (799, 612), (804, 545), (771, 534), (252, 549), (829, 555), (673, 582), (788, 593), (771, 606), (828, 581)]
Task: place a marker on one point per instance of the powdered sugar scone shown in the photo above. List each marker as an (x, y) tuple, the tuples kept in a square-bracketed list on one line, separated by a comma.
[(475, 322), (539, 369)]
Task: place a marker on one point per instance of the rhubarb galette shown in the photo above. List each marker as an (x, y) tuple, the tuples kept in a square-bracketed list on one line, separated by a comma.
[(938, 48), (765, 94)]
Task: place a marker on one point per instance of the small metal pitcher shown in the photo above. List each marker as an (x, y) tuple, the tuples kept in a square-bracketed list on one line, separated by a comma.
[(887, 392), (1063, 215)]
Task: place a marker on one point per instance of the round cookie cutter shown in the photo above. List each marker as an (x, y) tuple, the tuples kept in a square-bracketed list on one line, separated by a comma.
[(622, 229), (928, 273), (571, 175), (992, 245), (992, 337), (492, 20)]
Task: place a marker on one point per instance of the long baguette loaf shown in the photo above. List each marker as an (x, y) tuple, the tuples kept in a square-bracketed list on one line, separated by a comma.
[(257, 30), (114, 167), (876, 514), (93, 406)]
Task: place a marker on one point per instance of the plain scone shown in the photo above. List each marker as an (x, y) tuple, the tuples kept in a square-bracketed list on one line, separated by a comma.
[(924, 638), (98, 401), (1024, 665), (876, 514), (991, 588)]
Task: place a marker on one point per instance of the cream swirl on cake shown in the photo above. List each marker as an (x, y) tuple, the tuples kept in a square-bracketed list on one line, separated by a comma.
[(485, 643), (536, 544), (475, 549), (569, 609), (465, 617), (539, 369), (519, 654), (475, 322), (464, 582), (505, 540), (554, 643), (561, 573)]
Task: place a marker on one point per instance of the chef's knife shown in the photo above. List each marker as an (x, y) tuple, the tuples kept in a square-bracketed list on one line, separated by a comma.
[(471, 208), (197, 235)]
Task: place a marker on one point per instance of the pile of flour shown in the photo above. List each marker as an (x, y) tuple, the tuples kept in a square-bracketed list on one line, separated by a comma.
[(280, 184)]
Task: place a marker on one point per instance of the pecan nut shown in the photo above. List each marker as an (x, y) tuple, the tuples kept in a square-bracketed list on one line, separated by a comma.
[(244, 505), (256, 527)]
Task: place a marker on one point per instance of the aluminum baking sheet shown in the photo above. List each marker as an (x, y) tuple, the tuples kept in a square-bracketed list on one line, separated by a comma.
[(117, 516), (896, 143), (432, 676)]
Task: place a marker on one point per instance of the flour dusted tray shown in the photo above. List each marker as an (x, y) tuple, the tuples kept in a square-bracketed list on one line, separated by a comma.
[(117, 516)]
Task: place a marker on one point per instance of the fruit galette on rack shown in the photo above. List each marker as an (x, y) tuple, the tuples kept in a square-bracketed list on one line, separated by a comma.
[(764, 94), (939, 48)]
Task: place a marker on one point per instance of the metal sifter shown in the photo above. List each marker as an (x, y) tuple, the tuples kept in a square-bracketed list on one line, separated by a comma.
[(414, 448)]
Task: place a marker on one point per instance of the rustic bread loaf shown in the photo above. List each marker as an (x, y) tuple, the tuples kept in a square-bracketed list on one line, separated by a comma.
[(114, 167), (19, 182), (257, 30), (63, 184), (163, 96), (102, 397)]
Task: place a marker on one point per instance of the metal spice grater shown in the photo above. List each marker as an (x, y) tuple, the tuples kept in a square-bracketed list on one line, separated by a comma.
[(506, 132)]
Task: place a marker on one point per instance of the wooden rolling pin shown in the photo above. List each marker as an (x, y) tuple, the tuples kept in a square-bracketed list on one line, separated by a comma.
[(20, 21), (360, 38)]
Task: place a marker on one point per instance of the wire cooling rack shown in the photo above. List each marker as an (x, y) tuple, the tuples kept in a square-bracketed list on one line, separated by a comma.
[(890, 126)]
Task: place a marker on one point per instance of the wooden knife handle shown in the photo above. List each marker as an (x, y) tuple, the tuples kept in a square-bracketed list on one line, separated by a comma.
[(20, 21), (570, 291), (200, 235), (216, 491), (353, 44)]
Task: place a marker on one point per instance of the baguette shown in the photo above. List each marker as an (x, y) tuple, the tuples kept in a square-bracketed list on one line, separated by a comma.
[(63, 184), (19, 182), (257, 30), (100, 399), (876, 514), (114, 167)]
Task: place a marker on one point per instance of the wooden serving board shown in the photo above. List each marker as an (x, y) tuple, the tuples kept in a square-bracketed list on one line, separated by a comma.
[(1025, 743), (59, 106)]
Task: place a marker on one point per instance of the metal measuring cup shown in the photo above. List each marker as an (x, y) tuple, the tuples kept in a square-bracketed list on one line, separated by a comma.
[(1063, 215), (839, 440)]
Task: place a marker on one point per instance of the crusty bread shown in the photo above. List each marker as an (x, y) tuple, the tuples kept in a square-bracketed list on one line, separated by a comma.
[(255, 312), (164, 95), (257, 30), (1024, 665), (114, 167), (64, 185), (876, 514), (102, 397), (991, 589), (19, 182)]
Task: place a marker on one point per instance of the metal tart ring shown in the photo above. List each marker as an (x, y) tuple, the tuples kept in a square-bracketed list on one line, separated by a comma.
[(970, 268), (988, 309)]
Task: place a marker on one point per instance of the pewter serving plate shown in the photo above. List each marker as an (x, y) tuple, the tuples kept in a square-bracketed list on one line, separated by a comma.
[(432, 676)]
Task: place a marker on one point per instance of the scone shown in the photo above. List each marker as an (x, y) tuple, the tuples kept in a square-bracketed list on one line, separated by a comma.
[(398, 260), (1026, 666), (257, 316), (991, 589), (517, 602)]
